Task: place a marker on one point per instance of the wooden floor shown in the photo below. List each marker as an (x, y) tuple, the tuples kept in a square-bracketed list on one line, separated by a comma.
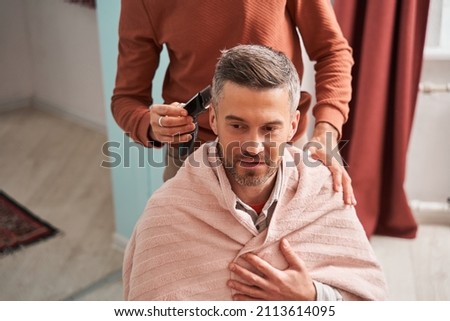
[(417, 269), (51, 166)]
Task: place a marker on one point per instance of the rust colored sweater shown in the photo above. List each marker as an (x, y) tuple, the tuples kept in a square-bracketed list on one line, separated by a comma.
[(195, 32)]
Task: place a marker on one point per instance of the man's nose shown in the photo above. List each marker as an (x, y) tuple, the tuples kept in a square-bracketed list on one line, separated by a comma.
[(253, 147)]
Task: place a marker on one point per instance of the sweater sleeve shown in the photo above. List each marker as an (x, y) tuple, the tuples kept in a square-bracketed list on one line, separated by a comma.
[(138, 60), (326, 292), (326, 45)]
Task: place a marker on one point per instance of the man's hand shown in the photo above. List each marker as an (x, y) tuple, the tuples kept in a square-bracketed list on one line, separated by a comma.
[(170, 123), (323, 147), (293, 283)]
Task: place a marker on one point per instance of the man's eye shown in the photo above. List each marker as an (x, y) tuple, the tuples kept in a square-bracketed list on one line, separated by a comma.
[(236, 126), (269, 128)]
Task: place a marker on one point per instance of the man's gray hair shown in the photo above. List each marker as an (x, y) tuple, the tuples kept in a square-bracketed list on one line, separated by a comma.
[(256, 67)]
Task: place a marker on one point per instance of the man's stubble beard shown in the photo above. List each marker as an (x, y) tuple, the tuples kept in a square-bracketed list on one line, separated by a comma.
[(250, 178)]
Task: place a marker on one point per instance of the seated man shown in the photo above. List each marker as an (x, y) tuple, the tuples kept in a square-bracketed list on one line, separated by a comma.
[(249, 217)]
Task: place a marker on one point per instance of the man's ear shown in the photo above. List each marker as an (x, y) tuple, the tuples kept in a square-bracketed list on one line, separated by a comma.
[(294, 123), (213, 119)]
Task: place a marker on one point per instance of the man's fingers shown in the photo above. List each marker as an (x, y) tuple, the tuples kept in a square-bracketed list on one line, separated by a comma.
[(342, 182), (341, 179), (168, 130), (247, 292), (173, 135), (335, 167), (242, 297), (336, 172), (314, 152), (349, 196), (291, 257), (313, 148), (261, 265), (172, 110), (248, 276), (176, 139), (169, 122)]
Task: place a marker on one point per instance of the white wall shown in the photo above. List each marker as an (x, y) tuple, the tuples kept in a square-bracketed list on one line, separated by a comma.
[(63, 72), (428, 162), (16, 85)]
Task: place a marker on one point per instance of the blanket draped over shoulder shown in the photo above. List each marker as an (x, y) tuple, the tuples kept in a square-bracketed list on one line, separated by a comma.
[(190, 231)]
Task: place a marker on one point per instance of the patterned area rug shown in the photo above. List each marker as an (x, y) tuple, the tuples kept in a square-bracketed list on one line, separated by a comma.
[(19, 227)]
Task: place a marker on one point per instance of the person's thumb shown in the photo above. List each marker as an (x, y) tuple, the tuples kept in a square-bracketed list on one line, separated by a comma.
[(291, 257)]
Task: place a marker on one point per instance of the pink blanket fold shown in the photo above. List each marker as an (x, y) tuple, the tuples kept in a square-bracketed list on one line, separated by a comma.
[(190, 231)]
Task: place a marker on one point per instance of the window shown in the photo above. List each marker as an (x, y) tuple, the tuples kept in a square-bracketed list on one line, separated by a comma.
[(437, 43)]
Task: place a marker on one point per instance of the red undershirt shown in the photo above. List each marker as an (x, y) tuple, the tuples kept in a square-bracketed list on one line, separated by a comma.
[(258, 207)]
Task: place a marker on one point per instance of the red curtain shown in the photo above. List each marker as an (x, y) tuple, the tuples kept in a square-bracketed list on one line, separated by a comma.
[(387, 37)]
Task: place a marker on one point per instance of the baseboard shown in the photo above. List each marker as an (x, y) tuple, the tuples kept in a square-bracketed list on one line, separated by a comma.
[(15, 104), (10, 105), (120, 242), (83, 121), (431, 212)]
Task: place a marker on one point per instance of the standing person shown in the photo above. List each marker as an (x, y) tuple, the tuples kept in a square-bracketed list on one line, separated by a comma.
[(248, 217), (194, 33)]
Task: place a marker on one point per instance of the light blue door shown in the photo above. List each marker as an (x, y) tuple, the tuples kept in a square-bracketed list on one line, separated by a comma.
[(136, 171)]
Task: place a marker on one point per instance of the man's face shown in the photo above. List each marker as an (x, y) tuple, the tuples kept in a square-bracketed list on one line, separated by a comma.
[(252, 126)]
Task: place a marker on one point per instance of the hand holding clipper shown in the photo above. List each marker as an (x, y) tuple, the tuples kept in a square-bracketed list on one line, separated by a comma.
[(195, 106)]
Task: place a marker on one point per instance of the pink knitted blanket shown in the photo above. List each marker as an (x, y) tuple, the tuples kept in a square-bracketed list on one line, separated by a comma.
[(190, 231)]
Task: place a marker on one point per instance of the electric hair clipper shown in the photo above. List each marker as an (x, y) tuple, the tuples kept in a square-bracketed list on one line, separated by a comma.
[(195, 106)]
